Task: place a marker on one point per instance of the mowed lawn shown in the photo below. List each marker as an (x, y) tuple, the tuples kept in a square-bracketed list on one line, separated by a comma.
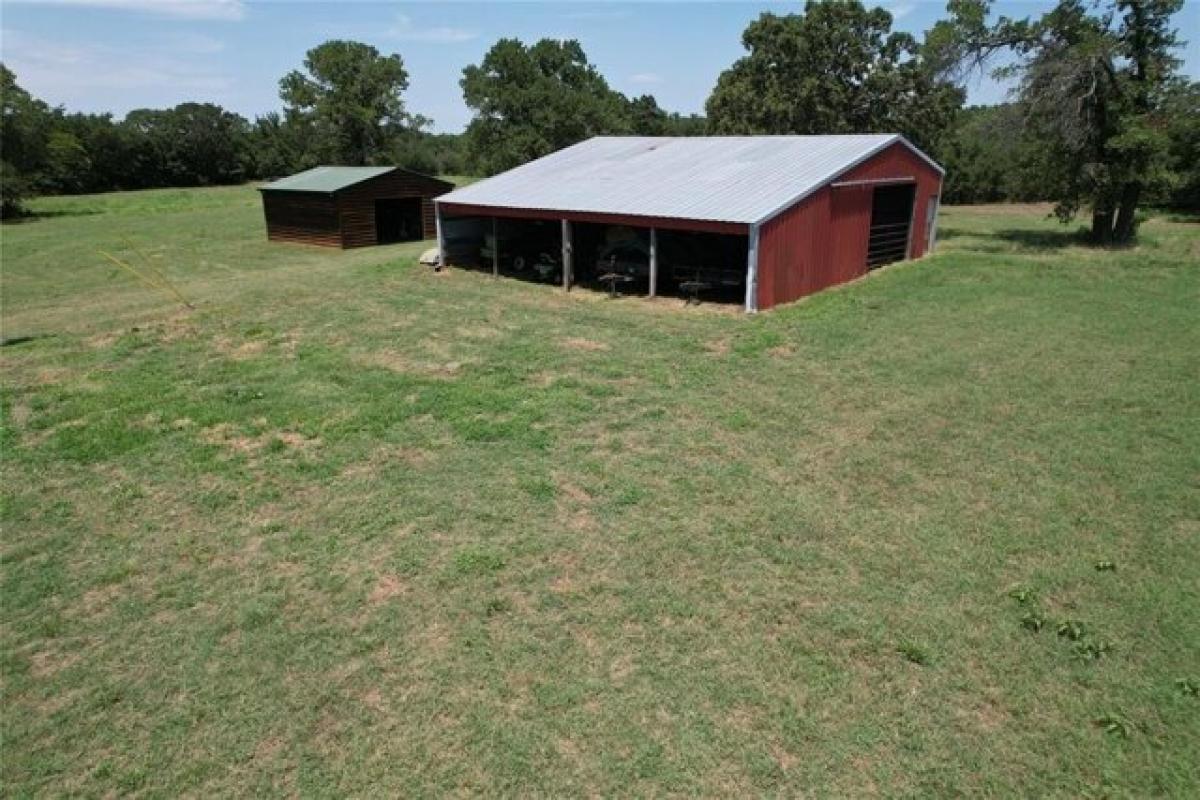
[(350, 527)]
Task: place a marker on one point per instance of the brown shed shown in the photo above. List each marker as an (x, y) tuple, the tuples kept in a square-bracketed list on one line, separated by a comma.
[(352, 206)]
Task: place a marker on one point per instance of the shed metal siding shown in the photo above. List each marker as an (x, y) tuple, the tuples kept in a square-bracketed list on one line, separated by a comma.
[(822, 240), (304, 217), (356, 204), (346, 218)]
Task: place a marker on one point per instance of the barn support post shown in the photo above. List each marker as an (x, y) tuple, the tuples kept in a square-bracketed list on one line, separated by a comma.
[(495, 247), (440, 230), (937, 207), (912, 223), (653, 262), (752, 271), (566, 254)]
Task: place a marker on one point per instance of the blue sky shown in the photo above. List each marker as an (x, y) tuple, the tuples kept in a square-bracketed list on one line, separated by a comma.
[(115, 55)]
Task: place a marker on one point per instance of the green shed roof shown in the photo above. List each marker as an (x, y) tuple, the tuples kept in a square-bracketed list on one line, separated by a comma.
[(326, 179)]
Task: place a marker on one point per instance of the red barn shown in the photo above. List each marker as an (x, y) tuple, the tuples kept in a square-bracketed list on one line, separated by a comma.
[(767, 219)]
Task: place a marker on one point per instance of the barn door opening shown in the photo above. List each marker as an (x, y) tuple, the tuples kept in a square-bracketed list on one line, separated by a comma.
[(398, 220), (891, 222)]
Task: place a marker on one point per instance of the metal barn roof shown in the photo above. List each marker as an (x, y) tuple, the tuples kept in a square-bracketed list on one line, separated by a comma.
[(326, 179), (742, 179)]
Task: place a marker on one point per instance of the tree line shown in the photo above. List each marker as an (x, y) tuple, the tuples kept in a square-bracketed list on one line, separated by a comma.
[(1100, 118)]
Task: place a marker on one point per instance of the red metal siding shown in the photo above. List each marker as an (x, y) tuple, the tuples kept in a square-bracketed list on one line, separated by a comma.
[(822, 240)]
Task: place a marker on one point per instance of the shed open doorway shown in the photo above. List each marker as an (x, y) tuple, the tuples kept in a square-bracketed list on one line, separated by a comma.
[(398, 220), (891, 224)]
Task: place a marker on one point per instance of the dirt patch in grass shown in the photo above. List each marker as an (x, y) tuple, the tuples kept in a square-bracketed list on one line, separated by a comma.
[(175, 328), (239, 351), (100, 341), (587, 345), (573, 491), (717, 347), (295, 440), (19, 414), (373, 699), (100, 599), (388, 456), (48, 663), (621, 668), (268, 748), (397, 361), (387, 359), (786, 760), (226, 435), (480, 332), (49, 376), (386, 588), (573, 505)]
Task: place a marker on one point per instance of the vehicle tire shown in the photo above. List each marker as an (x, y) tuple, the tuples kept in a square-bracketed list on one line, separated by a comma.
[(518, 263)]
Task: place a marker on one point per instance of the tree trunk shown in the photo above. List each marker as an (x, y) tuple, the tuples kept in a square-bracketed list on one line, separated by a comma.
[(1126, 211), (1101, 226), (1141, 35)]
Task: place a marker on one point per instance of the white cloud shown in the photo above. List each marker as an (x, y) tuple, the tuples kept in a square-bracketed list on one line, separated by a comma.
[(645, 78), (901, 10), (405, 29), (64, 72), (179, 9)]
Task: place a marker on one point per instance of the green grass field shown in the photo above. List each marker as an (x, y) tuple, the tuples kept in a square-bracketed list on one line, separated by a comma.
[(351, 527)]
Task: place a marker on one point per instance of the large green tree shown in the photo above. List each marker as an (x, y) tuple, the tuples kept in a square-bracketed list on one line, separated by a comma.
[(1180, 115), (348, 100), (1092, 78), (25, 127), (110, 149), (987, 160), (192, 144), (836, 68), (530, 101)]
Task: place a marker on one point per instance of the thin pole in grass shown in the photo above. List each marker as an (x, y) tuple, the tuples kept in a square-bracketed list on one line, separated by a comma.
[(162, 284), (152, 268)]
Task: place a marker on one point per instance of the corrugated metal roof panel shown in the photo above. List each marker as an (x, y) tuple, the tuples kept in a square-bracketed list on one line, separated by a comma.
[(326, 179), (743, 179)]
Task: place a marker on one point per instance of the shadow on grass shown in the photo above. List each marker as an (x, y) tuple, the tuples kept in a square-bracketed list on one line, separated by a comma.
[(1042, 241), (11, 341), (35, 216), (945, 233), (1189, 217), (1024, 240), (713, 295)]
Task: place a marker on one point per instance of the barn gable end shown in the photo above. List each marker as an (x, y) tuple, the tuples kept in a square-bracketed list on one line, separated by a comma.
[(822, 240)]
